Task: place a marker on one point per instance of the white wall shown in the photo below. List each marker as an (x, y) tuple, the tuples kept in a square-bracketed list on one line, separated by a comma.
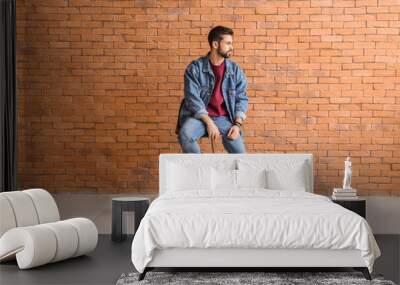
[(383, 213), (96, 207)]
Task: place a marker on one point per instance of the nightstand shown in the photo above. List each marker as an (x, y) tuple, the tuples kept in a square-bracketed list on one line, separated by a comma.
[(121, 204), (358, 206)]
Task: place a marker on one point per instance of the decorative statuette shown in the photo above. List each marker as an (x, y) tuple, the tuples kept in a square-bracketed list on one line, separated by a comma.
[(347, 174)]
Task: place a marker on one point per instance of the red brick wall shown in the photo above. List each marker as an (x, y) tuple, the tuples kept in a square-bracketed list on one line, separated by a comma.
[(99, 85)]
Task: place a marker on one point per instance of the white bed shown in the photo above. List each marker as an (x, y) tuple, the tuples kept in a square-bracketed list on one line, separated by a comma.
[(214, 223)]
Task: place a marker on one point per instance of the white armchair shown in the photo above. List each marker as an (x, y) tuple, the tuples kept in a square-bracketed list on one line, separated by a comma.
[(31, 230)]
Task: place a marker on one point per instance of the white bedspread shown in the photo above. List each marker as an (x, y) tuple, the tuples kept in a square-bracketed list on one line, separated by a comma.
[(250, 219)]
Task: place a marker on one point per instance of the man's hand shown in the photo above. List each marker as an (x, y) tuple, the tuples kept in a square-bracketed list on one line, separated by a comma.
[(212, 130), (233, 133)]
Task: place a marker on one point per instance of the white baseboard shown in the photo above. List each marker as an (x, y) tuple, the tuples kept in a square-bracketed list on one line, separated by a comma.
[(96, 207), (383, 213)]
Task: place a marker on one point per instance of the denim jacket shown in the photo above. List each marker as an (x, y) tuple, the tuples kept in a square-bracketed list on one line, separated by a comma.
[(199, 86)]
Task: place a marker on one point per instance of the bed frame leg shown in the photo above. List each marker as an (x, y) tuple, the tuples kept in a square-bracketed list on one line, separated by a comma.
[(364, 271), (143, 274)]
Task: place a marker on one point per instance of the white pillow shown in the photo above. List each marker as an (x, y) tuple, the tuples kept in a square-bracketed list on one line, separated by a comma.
[(224, 179), (281, 174), (251, 178), (290, 175), (183, 177)]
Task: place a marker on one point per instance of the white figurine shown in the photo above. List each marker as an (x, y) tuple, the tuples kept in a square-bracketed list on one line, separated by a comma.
[(347, 174)]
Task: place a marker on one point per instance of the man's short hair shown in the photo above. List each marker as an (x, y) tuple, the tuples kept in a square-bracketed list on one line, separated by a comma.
[(217, 33)]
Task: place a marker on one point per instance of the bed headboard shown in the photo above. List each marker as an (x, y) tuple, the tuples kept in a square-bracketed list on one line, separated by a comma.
[(227, 158)]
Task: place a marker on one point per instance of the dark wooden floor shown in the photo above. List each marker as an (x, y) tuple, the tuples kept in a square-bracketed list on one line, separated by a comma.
[(110, 260)]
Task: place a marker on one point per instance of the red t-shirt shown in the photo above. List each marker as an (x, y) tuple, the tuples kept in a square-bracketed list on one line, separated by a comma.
[(216, 106)]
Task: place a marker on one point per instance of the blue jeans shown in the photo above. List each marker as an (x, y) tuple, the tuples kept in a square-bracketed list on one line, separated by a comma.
[(193, 129)]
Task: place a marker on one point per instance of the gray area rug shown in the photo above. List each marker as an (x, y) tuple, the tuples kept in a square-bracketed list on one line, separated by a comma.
[(243, 278)]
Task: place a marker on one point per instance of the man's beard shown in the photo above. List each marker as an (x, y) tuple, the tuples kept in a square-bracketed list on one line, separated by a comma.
[(223, 54)]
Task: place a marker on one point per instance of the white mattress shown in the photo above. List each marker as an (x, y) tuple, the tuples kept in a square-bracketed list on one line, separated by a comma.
[(252, 218)]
